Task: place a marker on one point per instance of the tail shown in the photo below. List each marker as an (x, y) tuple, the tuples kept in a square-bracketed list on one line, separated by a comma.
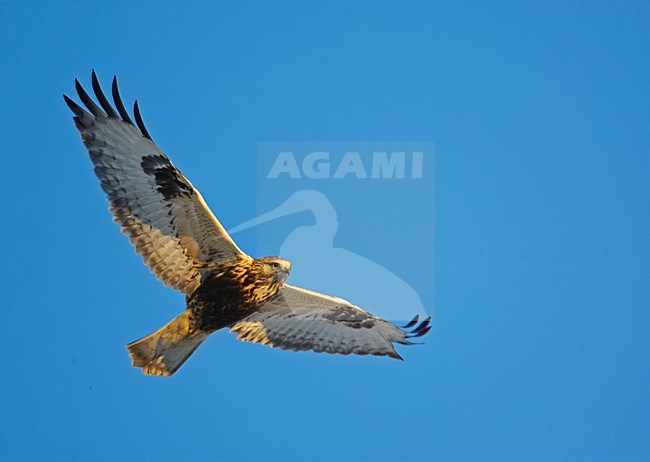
[(165, 350)]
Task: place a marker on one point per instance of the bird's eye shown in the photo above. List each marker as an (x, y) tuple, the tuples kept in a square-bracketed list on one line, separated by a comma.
[(275, 265)]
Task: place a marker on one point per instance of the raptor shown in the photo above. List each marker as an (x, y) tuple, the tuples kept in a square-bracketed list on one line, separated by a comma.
[(186, 247)]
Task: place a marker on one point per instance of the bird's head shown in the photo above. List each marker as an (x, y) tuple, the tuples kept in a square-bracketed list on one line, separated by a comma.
[(274, 268)]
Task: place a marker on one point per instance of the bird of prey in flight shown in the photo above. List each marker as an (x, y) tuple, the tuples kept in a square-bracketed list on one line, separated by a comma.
[(185, 246)]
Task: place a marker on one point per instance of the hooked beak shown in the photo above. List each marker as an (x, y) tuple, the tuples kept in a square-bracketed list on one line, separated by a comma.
[(283, 274)]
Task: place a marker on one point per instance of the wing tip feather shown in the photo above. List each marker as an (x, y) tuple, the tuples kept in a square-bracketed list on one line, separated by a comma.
[(117, 99), (74, 107), (98, 112), (87, 100), (101, 97), (139, 121)]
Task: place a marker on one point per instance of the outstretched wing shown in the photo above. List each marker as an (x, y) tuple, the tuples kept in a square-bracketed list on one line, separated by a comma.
[(164, 216), (299, 319)]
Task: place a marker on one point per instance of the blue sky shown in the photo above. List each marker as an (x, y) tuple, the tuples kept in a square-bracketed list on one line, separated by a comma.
[(539, 117)]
